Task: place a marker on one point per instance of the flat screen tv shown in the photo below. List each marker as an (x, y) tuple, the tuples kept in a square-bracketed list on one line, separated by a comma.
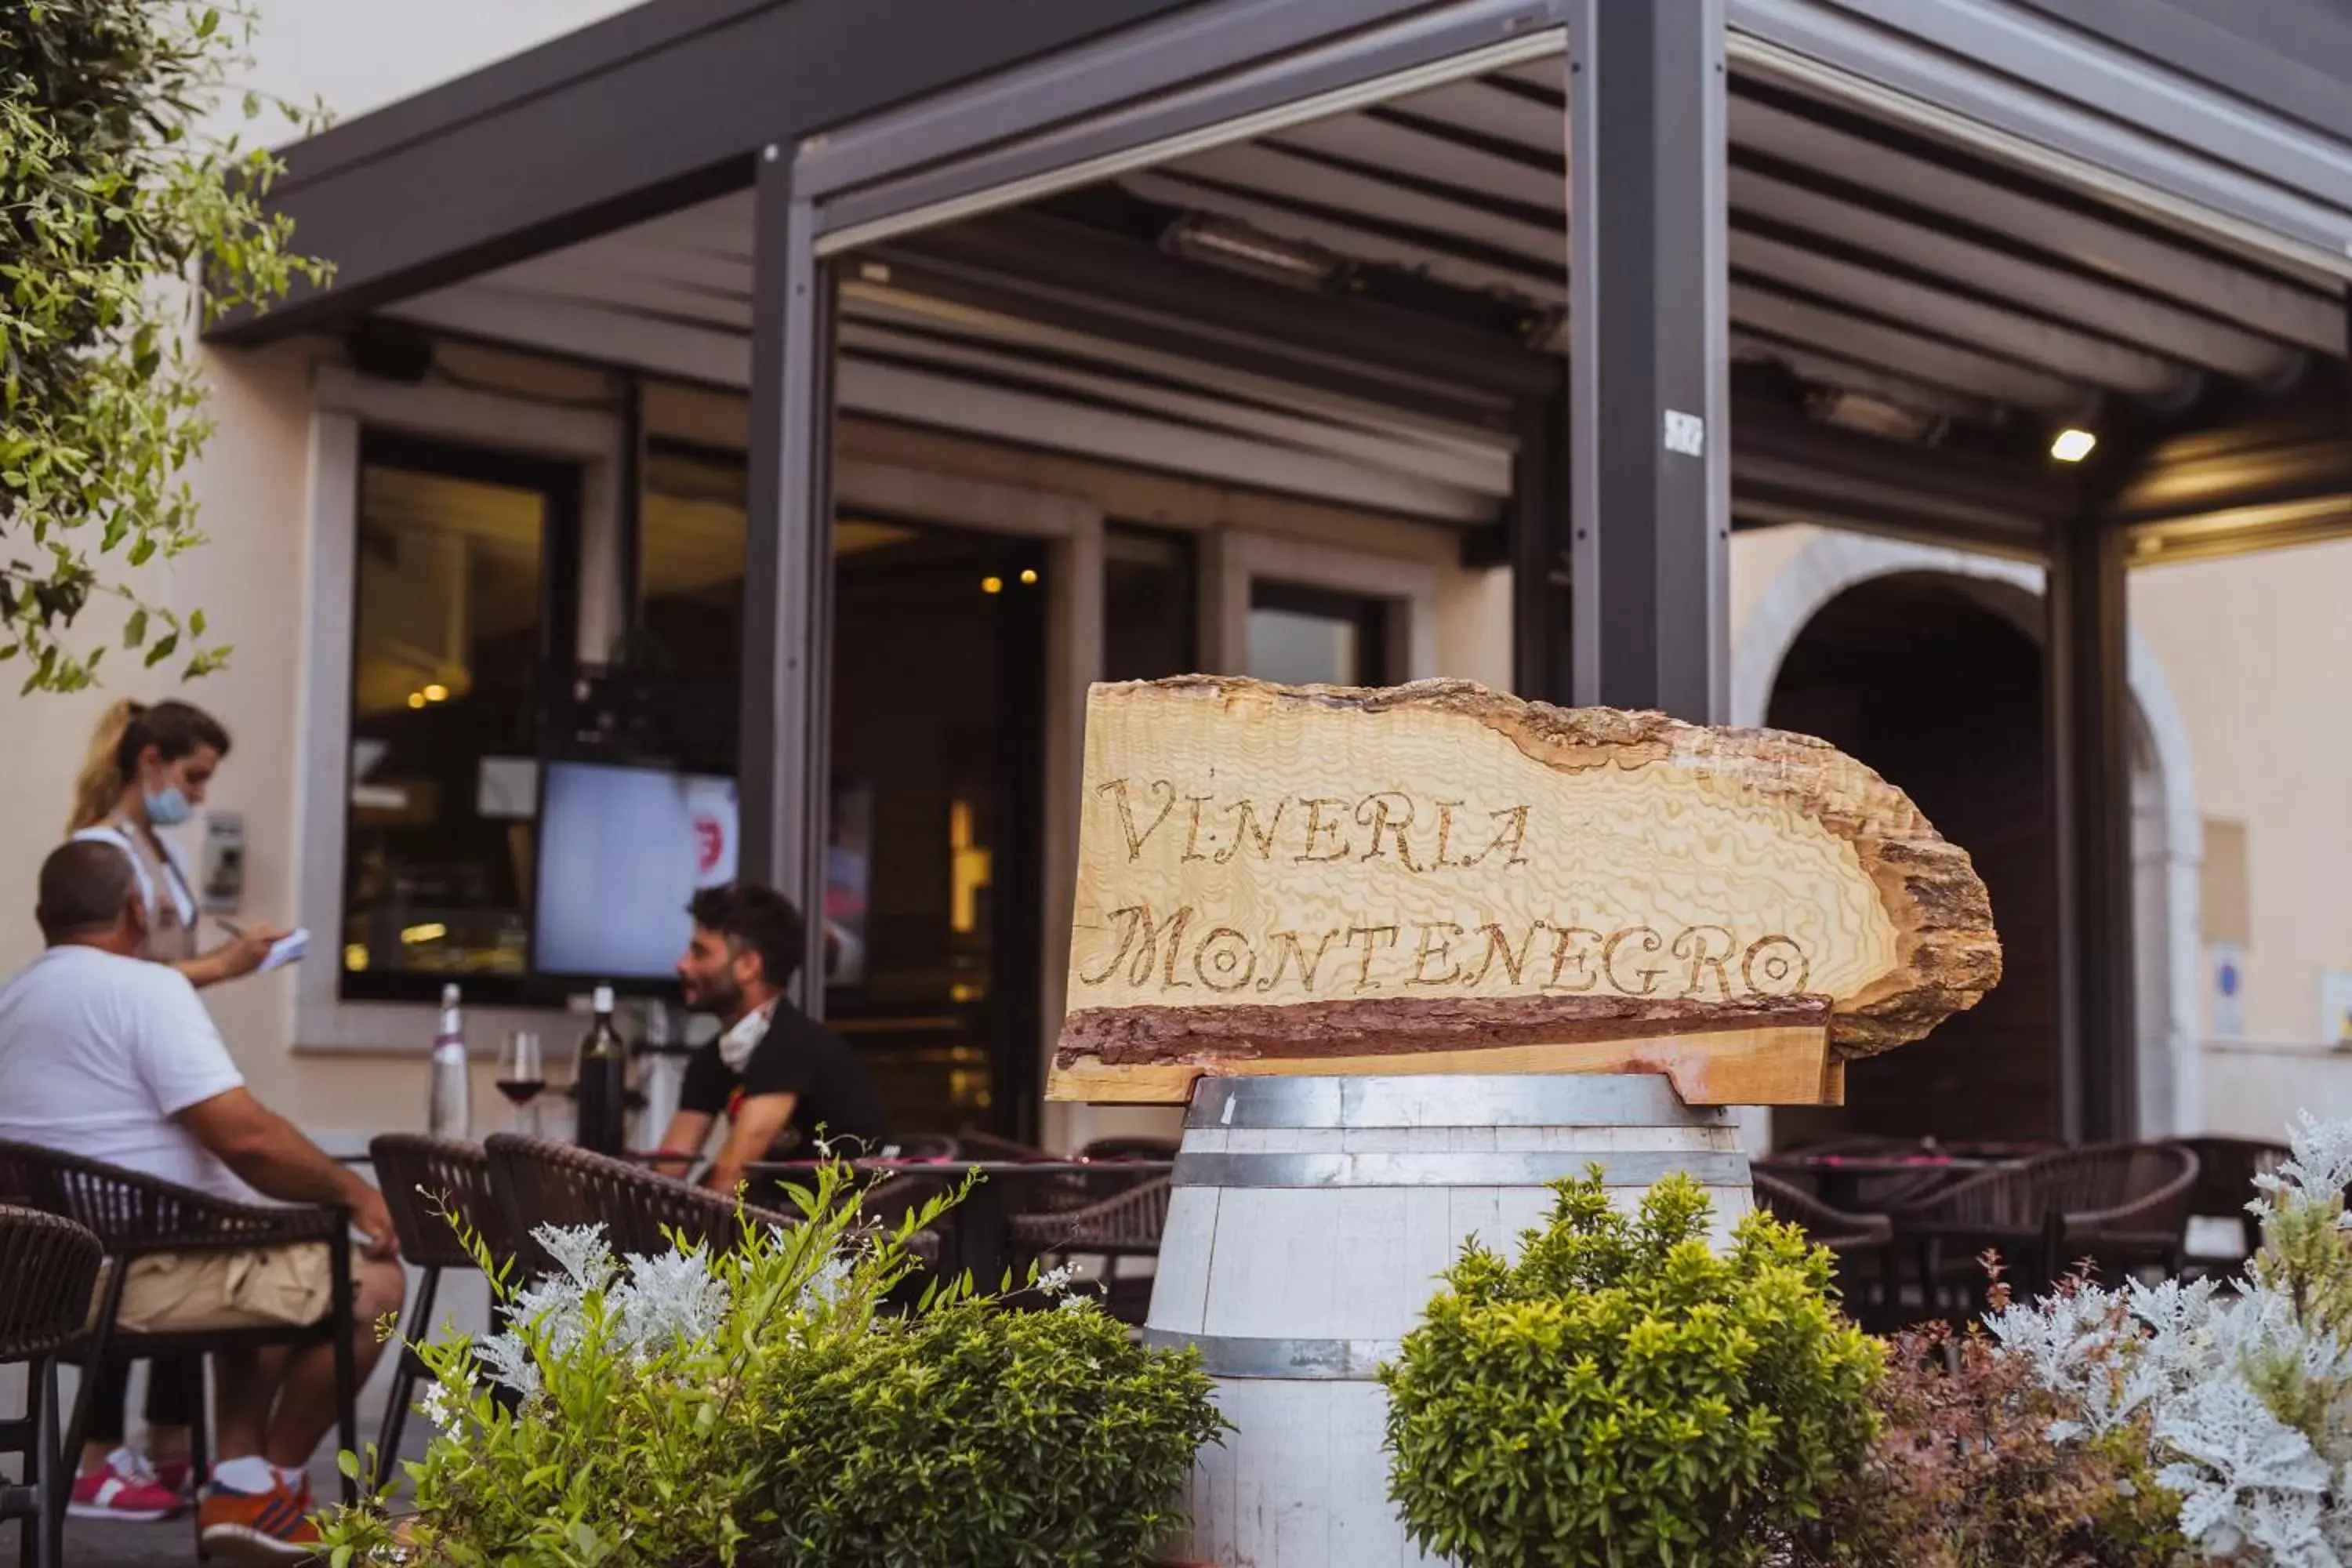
[(621, 850)]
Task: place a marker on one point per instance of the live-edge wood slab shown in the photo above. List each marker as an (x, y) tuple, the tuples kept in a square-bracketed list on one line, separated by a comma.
[(1439, 878)]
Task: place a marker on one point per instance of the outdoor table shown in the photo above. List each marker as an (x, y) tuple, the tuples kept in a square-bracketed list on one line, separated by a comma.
[(1838, 1178), (977, 1227)]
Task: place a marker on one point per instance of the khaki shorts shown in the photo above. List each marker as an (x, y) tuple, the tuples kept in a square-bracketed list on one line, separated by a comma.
[(185, 1293)]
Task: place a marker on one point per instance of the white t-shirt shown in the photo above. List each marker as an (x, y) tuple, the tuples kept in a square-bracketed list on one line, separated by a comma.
[(98, 1052)]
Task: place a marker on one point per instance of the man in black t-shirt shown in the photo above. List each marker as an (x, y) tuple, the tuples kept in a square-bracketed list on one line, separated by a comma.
[(773, 1069)]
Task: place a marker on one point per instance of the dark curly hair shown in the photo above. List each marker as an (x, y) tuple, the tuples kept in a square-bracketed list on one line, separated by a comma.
[(757, 918)]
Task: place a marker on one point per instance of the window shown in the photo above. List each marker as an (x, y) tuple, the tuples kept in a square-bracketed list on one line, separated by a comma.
[(1303, 637), (691, 562), (465, 604)]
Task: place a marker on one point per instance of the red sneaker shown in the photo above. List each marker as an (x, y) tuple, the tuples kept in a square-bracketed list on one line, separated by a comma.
[(125, 1489), (176, 1476), (260, 1529)]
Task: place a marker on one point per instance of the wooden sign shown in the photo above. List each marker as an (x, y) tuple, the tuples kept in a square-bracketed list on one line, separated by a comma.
[(1440, 878)]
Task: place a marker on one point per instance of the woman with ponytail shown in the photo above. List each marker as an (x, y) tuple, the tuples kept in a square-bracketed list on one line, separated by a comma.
[(147, 768)]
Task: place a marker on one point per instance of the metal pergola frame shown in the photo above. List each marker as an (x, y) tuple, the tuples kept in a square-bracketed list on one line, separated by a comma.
[(865, 124)]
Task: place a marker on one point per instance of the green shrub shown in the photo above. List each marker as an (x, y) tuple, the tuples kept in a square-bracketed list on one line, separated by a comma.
[(984, 1439), (762, 1407), (1623, 1398)]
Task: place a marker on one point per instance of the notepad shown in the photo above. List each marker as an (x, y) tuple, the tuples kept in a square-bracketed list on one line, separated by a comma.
[(286, 950)]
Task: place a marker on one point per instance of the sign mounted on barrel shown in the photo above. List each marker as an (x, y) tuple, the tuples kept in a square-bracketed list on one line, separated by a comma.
[(1440, 878)]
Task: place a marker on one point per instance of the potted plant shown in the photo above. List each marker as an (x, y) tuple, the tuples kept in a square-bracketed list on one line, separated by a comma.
[(1625, 1396), (766, 1406)]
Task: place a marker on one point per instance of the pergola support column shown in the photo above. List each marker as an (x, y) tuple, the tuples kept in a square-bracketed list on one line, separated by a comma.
[(2091, 800), (786, 743), (1650, 362)]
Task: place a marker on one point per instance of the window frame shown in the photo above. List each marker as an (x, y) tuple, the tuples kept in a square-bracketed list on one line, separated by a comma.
[(342, 402), (561, 483)]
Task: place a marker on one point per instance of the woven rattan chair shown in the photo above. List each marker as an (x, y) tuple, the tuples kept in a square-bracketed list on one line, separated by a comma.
[(2118, 1205), (1128, 1224), (136, 1216), (426, 1183), (50, 1267), (537, 1182), (1840, 1232), (1862, 1243), (2226, 1169)]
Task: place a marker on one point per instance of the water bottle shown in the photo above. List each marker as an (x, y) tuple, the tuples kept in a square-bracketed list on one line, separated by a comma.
[(450, 1113), (662, 1079)]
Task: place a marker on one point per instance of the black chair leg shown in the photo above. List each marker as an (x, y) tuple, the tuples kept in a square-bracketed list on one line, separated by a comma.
[(417, 1322), (395, 1418), (347, 1388), (118, 1274), (200, 1430), (45, 1468)]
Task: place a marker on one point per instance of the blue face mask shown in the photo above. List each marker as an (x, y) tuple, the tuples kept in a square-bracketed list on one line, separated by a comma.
[(168, 809)]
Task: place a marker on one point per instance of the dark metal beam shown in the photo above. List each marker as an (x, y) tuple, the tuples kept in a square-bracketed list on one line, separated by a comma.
[(783, 780), (2090, 751), (1787, 467), (1071, 276), (1649, 370)]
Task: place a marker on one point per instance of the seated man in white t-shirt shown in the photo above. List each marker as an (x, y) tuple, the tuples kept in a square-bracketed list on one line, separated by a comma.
[(109, 1057)]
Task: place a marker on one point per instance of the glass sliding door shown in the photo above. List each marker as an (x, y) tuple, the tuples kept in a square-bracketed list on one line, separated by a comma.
[(932, 896)]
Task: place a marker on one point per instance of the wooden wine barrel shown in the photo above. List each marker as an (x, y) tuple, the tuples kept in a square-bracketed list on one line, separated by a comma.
[(1309, 1220)]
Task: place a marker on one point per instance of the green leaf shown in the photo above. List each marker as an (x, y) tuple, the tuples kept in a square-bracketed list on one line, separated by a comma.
[(165, 647), (134, 630)]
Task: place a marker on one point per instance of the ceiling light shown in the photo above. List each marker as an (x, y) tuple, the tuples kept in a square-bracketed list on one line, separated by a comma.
[(1239, 247), (1028, 574), (1872, 415), (437, 692), (991, 584), (2073, 445), (416, 700)]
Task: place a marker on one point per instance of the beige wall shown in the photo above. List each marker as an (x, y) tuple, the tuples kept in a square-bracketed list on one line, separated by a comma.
[(2259, 651)]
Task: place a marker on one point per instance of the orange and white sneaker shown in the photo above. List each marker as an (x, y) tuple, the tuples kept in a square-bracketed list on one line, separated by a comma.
[(258, 1528)]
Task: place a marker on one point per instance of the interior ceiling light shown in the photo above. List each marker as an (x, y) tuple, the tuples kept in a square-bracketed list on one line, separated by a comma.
[(1869, 415), (2072, 445), (1223, 242)]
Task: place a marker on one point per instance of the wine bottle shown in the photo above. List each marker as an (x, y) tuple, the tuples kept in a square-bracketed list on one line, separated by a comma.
[(449, 1113), (604, 1081)]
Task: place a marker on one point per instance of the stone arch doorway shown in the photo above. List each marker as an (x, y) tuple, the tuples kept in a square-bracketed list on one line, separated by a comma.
[(1926, 664)]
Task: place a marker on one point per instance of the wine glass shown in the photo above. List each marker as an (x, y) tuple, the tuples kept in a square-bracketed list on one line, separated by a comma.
[(521, 1077)]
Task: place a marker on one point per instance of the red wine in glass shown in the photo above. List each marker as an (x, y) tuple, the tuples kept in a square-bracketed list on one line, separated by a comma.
[(521, 1078)]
